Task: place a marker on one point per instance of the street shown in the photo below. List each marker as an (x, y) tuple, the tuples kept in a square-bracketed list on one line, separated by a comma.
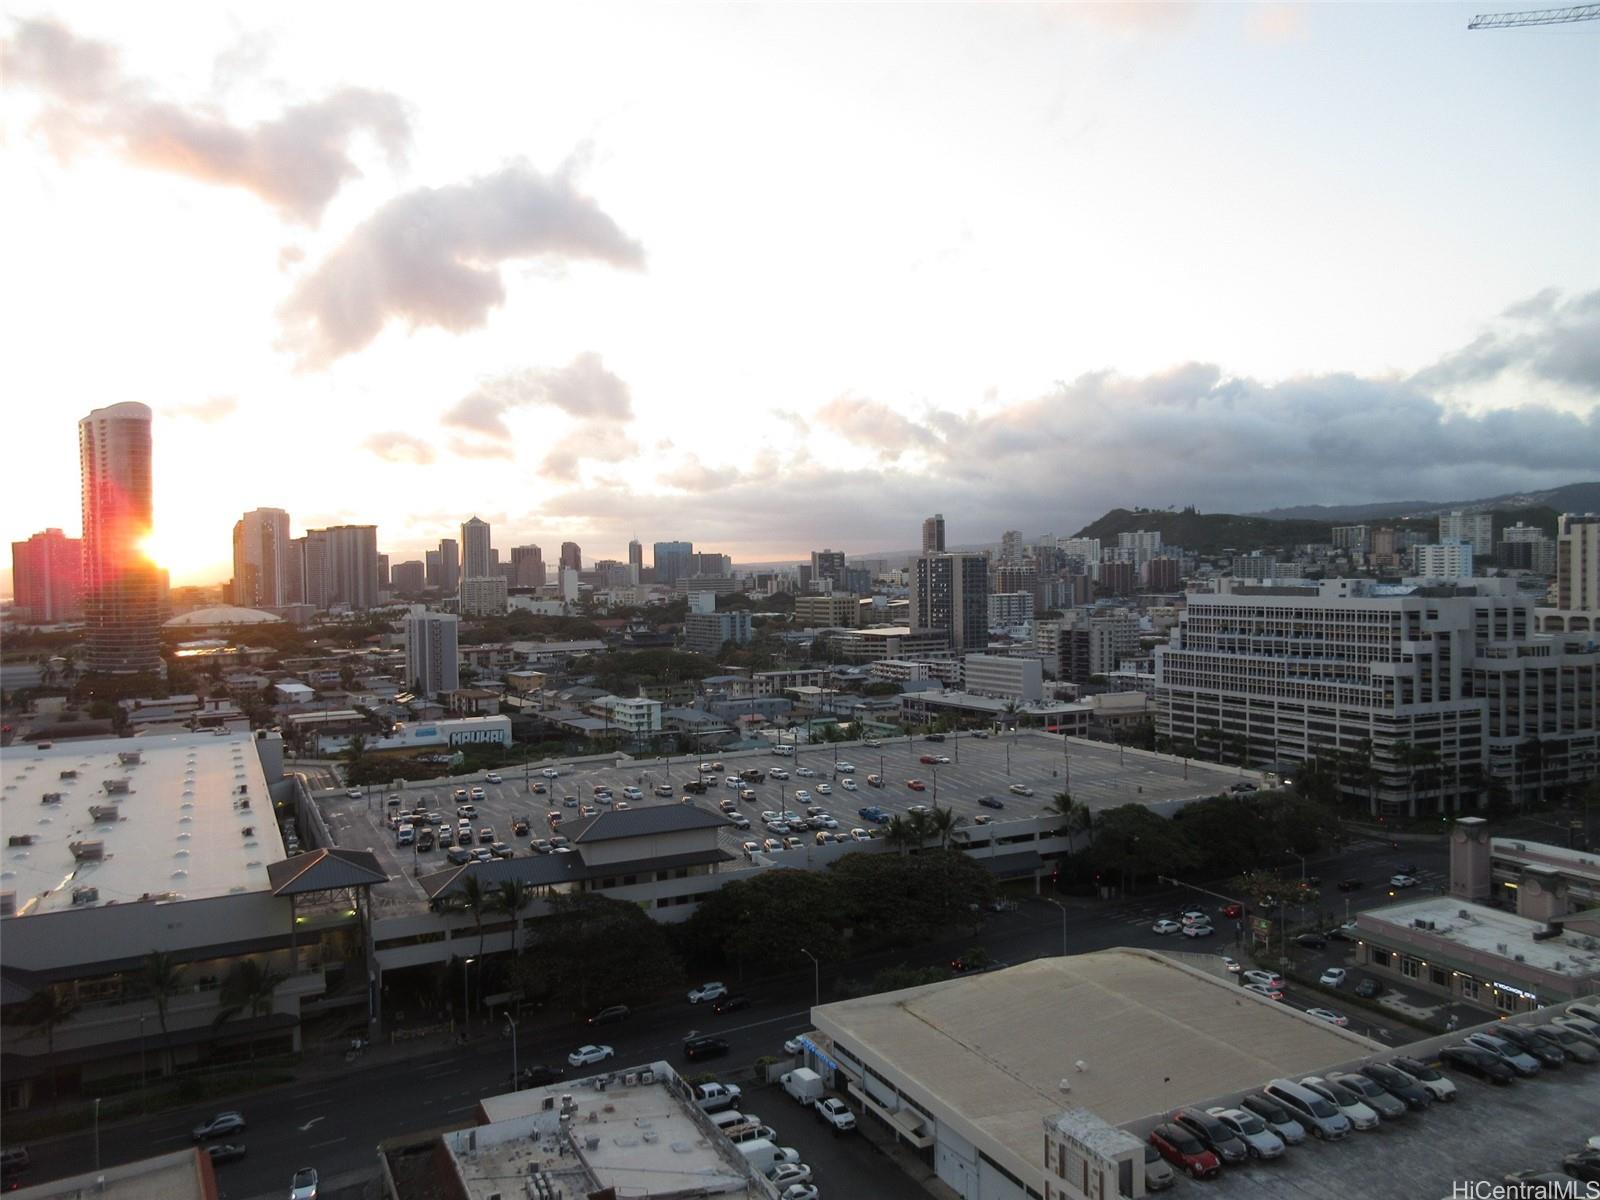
[(335, 1115)]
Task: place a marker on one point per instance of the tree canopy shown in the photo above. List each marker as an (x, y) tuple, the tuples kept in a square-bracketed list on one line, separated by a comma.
[(592, 951)]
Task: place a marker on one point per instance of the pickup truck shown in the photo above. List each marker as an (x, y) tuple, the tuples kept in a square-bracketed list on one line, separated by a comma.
[(710, 1097), (832, 1111)]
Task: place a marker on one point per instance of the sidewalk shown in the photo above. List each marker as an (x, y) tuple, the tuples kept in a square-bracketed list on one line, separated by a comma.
[(891, 1147)]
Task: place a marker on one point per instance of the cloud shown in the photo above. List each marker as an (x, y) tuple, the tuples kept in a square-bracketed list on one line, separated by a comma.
[(213, 408), (871, 423), (463, 448), (583, 388), (593, 441), (399, 448), (432, 257), (296, 162), (1543, 337)]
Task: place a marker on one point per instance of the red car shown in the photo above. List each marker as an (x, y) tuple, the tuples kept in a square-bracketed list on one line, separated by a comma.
[(1233, 910), (1184, 1151), (928, 758), (916, 785)]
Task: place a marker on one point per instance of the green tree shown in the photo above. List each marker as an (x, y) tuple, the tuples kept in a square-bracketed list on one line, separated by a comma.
[(941, 824), (248, 987), (46, 1011), (755, 924), (1132, 843), (512, 898), (475, 899), (889, 900), (1077, 817), (900, 833), (161, 977), (591, 951)]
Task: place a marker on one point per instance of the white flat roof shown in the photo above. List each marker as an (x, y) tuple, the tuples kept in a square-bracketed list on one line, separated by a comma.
[(1486, 929), (1131, 1032), (177, 829), (1573, 862)]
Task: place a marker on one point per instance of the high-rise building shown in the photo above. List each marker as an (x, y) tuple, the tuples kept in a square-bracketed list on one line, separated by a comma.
[(475, 556), (383, 572), (121, 586), (950, 595), (933, 534), (571, 556), (1578, 564), (1526, 548), (432, 662), (340, 566), (1357, 539), (484, 597), (672, 561), (449, 564), (1453, 560), (1011, 547), (433, 563), (706, 632), (635, 561), (527, 564), (260, 559), (408, 578), (1477, 529), (829, 565), (47, 577), (710, 563)]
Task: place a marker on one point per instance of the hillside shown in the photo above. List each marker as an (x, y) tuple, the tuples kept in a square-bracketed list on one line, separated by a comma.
[(1573, 497), (1207, 533)]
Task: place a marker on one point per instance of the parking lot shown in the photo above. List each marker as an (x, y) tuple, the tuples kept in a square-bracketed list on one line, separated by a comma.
[(1099, 775)]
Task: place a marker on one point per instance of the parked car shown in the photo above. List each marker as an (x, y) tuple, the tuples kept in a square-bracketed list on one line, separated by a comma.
[(1218, 1138), (1278, 1118), (458, 856), (1311, 941), (1532, 1044), (801, 1191), (224, 1124), (1475, 1060), (611, 1015), (834, 1112), (1329, 1015), (1312, 1109), (1369, 989), (708, 991), (1399, 1085), (1259, 1141), (1360, 1114), (304, 1184), (1522, 1063), (587, 1056), (1165, 925), (1389, 1108), (1583, 1165), (1184, 1151), (1020, 789), (1158, 1176), (539, 1075), (1569, 1041), (916, 785), (1332, 977), (789, 1174), (225, 1152)]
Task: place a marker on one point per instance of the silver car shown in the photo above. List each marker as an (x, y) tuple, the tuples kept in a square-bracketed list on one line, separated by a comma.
[(1571, 1043), (1390, 1108), (1522, 1063), (1260, 1141), (1344, 1100), (1278, 1118)]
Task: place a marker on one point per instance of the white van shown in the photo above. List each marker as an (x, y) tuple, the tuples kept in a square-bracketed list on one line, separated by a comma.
[(729, 1117), (1317, 1113), (406, 834), (764, 1156), (783, 751)]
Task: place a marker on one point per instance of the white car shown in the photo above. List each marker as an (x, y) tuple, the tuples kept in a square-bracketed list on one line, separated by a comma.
[(802, 796), (785, 1174), (355, 793), (848, 785), (585, 1056), (1328, 1015), (751, 849), (860, 835), (1332, 977), (805, 772), (1020, 789), (1269, 979), (845, 768), (550, 773), (1232, 964), (1198, 929), (304, 1184), (825, 789), (826, 821), (1402, 881), (732, 781), (492, 777), (793, 1045), (1165, 925), (777, 773), (1344, 1100), (779, 827), (633, 793), (708, 991), (801, 1191)]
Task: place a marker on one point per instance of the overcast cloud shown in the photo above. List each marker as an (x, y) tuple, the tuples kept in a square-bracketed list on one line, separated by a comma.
[(432, 257), (296, 162)]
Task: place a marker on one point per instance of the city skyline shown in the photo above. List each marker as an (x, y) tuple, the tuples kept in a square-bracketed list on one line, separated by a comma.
[(1017, 264)]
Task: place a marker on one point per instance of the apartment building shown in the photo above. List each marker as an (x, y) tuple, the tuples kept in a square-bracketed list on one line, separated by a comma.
[(831, 610), (1476, 529), (1010, 608), (1577, 598), (950, 595), (706, 632), (1452, 560), (1447, 692)]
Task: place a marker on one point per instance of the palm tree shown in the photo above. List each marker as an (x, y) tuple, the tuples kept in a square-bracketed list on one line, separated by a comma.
[(162, 978), (1078, 817), (474, 899), (920, 827), (249, 987), (511, 897), (898, 832), (942, 823), (47, 1011)]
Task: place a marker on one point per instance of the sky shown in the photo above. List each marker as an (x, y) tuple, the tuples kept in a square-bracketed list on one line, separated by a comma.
[(775, 277)]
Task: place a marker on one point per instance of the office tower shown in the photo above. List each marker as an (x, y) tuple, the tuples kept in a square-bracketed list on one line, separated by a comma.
[(432, 663), (671, 560), (1140, 545), (475, 557), (829, 565), (1526, 548), (449, 564), (121, 587), (1578, 564), (527, 567), (710, 563), (433, 568), (1362, 675), (260, 558), (47, 577), (1163, 575), (1453, 560), (635, 561), (1011, 547), (383, 572), (950, 595), (408, 578), (569, 582), (571, 556), (1477, 529), (933, 534), (340, 566)]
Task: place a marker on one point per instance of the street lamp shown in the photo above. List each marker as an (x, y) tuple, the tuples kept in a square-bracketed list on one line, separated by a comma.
[(516, 1080), (816, 973), (466, 1004), (97, 1133), (1063, 908)]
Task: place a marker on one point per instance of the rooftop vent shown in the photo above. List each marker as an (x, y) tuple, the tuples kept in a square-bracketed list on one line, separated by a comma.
[(69, 775), (129, 758), (85, 895), (116, 787), (51, 798), (104, 812), (87, 851), (20, 839)]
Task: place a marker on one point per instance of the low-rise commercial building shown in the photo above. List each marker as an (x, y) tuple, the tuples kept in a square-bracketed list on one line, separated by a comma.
[(994, 675)]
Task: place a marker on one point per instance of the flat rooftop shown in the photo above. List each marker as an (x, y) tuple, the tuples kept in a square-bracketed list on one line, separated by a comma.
[(1572, 862), (1149, 1033), (633, 1129), (169, 823), (174, 1176), (1485, 930)]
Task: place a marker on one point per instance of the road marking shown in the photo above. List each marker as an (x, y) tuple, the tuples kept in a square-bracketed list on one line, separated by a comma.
[(331, 1142), (442, 1074), (463, 1108), (306, 1128)]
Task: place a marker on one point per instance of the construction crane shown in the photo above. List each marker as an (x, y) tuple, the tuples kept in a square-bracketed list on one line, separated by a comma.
[(1543, 16)]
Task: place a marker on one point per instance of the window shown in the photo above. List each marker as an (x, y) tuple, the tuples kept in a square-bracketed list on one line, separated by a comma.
[(1437, 977), (1409, 967), (1380, 957), (1469, 988)]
